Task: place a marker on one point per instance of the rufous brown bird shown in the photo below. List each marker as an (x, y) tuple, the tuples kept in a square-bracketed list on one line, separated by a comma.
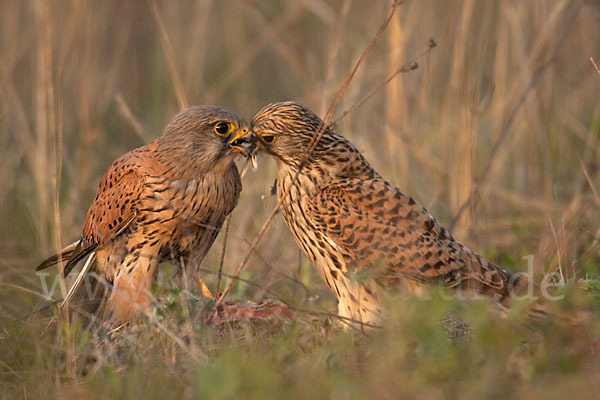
[(363, 234), (165, 200)]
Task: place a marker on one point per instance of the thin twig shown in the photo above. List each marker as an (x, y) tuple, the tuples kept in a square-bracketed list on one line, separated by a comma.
[(349, 322), (556, 241), (511, 117), (127, 114), (277, 271), (26, 290), (186, 309), (405, 68), (247, 282), (226, 233), (342, 90), (239, 268), (594, 64)]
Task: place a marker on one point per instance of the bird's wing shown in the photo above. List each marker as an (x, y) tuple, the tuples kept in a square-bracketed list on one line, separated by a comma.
[(374, 224), (111, 212)]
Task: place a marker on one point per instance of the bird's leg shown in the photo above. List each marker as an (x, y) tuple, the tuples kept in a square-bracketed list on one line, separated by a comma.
[(358, 304), (131, 287)]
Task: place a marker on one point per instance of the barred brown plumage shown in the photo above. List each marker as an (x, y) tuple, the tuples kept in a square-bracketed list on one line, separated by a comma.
[(350, 221), (165, 200)]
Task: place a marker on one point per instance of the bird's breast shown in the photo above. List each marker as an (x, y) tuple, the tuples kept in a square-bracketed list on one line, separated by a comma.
[(185, 216), (295, 195)]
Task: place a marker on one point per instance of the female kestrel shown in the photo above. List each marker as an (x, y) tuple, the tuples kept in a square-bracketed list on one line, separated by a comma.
[(362, 233)]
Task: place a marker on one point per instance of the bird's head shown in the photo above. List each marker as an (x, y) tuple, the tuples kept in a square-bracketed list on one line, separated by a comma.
[(286, 130), (207, 136)]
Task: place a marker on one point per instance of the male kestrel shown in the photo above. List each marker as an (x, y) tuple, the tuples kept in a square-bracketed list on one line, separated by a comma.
[(362, 233), (165, 200)]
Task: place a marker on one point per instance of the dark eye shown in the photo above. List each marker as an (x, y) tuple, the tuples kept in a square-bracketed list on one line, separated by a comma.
[(268, 139), (223, 128)]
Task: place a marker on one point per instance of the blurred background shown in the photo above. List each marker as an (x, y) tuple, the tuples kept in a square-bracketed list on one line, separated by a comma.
[(83, 82)]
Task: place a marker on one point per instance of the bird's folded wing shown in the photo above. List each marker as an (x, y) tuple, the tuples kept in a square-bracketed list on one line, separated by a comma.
[(113, 209), (64, 255), (374, 224)]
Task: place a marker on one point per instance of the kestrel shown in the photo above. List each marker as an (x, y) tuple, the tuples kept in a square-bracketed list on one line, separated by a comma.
[(165, 200), (363, 234)]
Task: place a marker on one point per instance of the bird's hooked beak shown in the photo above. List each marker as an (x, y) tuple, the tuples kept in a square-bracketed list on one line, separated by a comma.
[(243, 143)]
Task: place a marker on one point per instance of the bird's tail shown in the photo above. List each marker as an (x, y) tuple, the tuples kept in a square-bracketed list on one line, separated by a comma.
[(64, 255)]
